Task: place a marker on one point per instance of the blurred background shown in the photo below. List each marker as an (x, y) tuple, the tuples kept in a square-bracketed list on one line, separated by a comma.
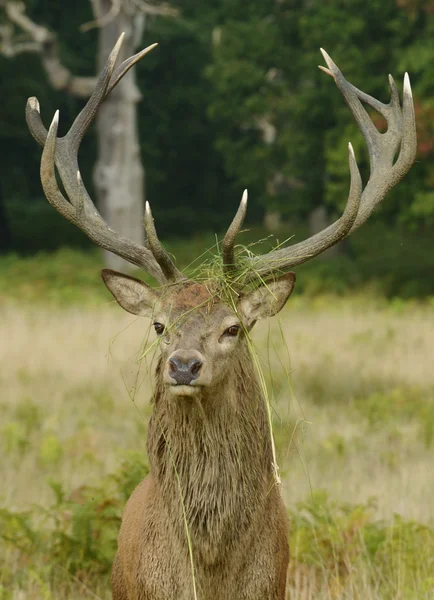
[(231, 98)]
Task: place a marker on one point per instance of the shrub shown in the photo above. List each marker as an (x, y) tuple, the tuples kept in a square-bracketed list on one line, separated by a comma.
[(77, 533), (341, 545)]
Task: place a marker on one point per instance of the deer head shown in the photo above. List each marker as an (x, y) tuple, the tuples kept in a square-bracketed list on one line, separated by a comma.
[(200, 334)]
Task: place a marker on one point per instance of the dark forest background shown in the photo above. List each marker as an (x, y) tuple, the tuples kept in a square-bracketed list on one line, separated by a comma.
[(233, 98)]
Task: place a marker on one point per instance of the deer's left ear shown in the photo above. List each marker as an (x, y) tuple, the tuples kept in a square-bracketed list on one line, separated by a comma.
[(266, 300)]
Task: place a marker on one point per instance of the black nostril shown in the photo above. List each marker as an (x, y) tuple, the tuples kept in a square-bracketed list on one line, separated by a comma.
[(175, 364), (195, 366)]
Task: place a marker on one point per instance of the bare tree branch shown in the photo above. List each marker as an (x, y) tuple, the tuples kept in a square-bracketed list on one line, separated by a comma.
[(132, 6), (40, 39), (11, 44), (16, 12), (102, 19), (164, 9)]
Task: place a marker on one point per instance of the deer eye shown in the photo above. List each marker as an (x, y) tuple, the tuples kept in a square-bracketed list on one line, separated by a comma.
[(232, 331), (159, 328)]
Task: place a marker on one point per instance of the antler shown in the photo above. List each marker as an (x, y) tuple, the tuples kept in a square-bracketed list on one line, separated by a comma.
[(78, 206), (228, 253), (385, 172)]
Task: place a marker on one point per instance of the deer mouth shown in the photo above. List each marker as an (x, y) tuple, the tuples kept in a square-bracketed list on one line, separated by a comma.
[(183, 389)]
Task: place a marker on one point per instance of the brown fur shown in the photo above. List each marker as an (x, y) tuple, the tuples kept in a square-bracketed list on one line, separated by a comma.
[(192, 295), (211, 478)]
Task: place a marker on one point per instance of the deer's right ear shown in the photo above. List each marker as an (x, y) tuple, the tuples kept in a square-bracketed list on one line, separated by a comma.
[(133, 295)]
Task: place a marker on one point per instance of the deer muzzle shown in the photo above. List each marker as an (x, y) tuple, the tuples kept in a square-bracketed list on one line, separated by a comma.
[(184, 368)]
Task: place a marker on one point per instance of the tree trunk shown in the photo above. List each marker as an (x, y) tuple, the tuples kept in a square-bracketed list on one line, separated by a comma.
[(119, 174)]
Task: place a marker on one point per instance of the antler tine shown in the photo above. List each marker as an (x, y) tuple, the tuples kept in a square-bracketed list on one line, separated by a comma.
[(87, 115), (385, 171), (394, 94), (351, 93), (78, 207), (108, 79), (409, 140), (48, 175), (161, 256), (228, 254), (126, 66), (34, 121)]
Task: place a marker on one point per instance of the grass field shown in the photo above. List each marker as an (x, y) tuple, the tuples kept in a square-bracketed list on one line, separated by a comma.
[(351, 382)]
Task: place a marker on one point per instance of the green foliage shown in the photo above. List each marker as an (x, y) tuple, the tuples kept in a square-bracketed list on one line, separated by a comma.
[(401, 269), (35, 226), (400, 405), (16, 432), (64, 277), (50, 450), (343, 542), (14, 438), (265, 68), (77, 536), (77, 533)]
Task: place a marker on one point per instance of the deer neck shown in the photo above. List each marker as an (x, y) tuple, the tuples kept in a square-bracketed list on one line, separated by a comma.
[(212, 460)]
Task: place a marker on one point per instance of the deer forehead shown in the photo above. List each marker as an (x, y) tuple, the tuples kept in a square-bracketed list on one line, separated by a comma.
[(193, 295), (195, 302)]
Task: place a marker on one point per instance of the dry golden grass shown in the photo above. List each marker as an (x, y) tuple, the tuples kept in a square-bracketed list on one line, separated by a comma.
[(340, 358), (67, 378)]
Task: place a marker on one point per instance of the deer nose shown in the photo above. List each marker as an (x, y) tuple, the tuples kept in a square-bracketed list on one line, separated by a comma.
[(184, 372)]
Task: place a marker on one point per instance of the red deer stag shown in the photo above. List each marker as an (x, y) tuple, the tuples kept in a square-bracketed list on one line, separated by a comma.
[(208, 522)]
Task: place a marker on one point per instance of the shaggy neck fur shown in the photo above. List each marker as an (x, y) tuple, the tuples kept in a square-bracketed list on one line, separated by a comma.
[(214, 450)]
